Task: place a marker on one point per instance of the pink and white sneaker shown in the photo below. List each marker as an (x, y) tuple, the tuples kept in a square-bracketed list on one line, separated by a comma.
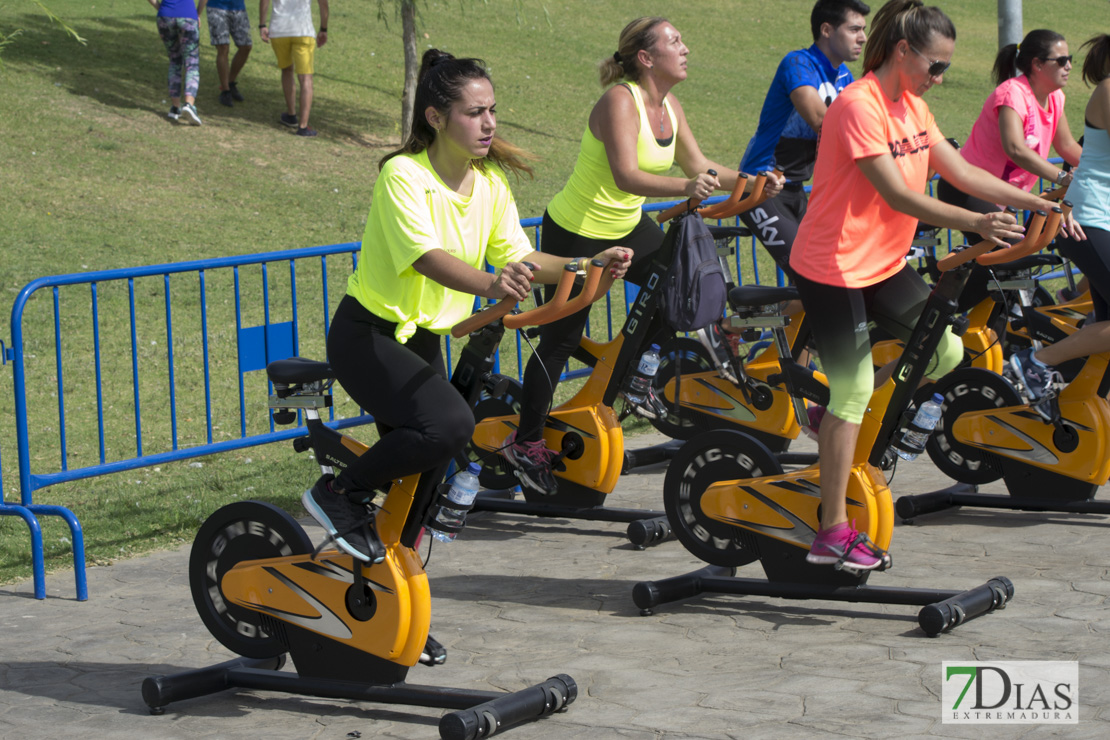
[(842, 547)]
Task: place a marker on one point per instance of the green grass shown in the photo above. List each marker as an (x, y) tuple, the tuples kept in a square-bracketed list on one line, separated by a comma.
[(92, 176)]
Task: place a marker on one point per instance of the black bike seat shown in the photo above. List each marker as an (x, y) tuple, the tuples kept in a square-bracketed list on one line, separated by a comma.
[(728, 232), (298, 370), (760, 295)]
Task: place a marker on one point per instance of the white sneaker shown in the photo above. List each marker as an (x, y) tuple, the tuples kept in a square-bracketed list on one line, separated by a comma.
[(190, 112), (174, 113)]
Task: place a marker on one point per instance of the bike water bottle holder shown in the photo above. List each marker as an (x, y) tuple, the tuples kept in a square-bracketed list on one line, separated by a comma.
[(440, 503), (904, 446)]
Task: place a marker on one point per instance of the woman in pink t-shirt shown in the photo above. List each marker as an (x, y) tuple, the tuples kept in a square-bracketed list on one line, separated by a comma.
[(878, 143), (1021, 120)]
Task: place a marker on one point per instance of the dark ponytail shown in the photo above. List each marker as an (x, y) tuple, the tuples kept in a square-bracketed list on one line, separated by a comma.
[(439, 85), (1013, 58), (1096, 67)]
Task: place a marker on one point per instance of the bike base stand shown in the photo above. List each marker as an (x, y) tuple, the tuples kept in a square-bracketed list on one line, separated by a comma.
[(480, 713), (963, 494), (646, 527), (943, 609)]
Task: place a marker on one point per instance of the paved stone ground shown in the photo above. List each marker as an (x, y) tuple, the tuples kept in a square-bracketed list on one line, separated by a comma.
[(517, 599)]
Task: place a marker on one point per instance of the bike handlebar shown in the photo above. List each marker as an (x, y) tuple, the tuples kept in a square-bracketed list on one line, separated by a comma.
[(1036, 238), (1023, 248), (1056, 194), (733, 208), (725, 209), (597, 284), (733, 198), (688, 205)]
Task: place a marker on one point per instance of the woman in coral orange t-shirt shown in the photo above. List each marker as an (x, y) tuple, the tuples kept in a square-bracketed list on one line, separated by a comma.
[(878, 143)]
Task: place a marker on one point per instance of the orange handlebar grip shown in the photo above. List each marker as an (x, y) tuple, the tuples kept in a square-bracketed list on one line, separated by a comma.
[(487, 315), (1028, 245), (753, 199), (955, 259), (501, 308), (667, 215), (737, 193)]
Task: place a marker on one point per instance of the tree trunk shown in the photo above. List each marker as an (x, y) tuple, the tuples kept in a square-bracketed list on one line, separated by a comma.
[(412, 65)]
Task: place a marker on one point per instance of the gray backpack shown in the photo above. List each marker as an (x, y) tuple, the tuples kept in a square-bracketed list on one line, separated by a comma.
[(694, 291)]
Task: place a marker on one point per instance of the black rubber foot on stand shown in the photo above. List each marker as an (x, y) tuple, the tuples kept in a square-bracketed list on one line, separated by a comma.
[(498, 714), (909, 507), (649, 594), (644, 532), (158, 691), (945, 615)]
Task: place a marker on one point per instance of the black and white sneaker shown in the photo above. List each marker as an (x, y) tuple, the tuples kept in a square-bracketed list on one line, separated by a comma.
[(649, 406), (348, 524), (434, 653), (531, 463), (713, 339)]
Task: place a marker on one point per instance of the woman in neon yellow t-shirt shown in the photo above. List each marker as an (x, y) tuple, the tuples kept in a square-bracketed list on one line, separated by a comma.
[(442, 207)]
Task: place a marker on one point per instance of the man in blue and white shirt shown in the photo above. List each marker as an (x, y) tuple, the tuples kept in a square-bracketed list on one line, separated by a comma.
[(805, 84)]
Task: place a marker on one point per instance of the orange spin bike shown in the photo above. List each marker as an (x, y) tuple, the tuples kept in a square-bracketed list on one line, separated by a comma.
[(1051, 457), (352, 630), (730, 503), (586, 430)]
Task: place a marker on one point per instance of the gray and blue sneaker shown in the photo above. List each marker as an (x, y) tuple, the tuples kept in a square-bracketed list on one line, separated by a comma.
[(189, 112), (1039, 380), (348, 524)]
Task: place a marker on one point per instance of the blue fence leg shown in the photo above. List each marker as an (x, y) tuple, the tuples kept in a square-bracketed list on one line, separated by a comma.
[(37, 568), (78, 544)]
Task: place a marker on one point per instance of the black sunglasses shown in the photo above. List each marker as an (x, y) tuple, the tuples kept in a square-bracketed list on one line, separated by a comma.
[(936, 69), (1062, 61)]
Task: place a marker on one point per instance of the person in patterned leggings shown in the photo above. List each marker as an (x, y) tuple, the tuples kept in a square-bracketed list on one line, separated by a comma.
[(179, 26)]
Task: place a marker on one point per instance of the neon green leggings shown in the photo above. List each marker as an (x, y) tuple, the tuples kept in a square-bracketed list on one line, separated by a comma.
[(838, 318)]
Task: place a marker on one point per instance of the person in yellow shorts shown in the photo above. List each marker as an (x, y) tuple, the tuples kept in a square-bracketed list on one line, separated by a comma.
[(294, 39)]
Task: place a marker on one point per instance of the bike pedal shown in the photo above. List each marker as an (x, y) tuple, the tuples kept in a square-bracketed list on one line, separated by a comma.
[(1048, 409)]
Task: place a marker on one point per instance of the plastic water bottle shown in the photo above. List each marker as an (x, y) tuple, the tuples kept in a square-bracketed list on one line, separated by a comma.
[(640, 382), (464, 489), (927, 417)]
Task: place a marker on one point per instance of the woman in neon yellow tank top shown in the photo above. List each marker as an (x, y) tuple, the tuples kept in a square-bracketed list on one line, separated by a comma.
[(635, 133)]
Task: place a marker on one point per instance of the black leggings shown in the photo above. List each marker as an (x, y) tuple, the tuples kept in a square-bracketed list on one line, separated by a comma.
[(978, 283), (423, 420), (559, 339), (775, 223), (1092, 257)]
